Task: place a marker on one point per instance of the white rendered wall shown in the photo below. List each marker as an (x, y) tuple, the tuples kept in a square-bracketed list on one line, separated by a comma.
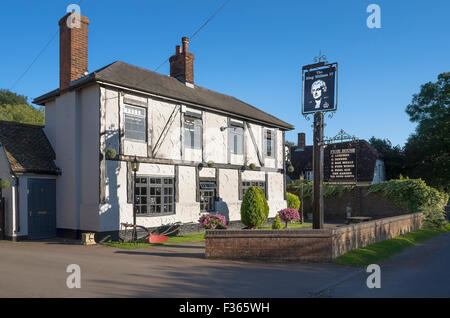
[(73, 131), (10, 206)]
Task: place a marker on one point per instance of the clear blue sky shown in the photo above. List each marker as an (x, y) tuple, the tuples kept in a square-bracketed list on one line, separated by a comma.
[(253, 50)]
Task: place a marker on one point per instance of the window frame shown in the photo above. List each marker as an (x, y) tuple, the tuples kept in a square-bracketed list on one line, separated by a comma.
[(141, 117), (244, 187), (213, 197), (196, 122), (162, 195), (265, 140), (232, 134)]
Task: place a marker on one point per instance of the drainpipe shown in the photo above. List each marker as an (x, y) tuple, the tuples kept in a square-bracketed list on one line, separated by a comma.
[(16, 190)]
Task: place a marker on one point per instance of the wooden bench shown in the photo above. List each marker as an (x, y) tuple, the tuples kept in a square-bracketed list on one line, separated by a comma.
[(358, 219)]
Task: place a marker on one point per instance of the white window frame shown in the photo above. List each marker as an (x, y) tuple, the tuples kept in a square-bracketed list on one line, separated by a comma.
[(265, 140), (197, 122), (232, 134)]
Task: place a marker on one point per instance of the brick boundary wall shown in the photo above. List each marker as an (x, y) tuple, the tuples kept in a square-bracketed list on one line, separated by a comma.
[(305, 245)]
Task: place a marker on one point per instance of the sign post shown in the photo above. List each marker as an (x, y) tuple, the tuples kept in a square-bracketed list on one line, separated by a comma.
[(318, 171), (319, 95)]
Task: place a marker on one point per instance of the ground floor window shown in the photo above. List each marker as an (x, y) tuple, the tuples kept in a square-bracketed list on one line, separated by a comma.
[(248, 184), (154, 195), (207, 196)]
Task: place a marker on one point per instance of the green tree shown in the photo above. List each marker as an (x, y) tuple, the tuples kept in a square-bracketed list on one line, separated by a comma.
[(427, 150), (14, 107), (394, 157)]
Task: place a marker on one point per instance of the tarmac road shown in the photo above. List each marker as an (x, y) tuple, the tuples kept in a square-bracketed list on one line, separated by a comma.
[(38, 269)]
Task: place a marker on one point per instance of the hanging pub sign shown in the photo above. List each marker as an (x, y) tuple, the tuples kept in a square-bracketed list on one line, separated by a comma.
[(340, 164), (319, 88)]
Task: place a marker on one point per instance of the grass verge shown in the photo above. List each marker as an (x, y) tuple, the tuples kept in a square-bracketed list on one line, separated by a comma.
[(196, 237), (290, 226), (376, 252)]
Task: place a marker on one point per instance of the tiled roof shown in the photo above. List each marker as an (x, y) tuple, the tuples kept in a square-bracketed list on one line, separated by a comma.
[(27, 148), (130, 76)]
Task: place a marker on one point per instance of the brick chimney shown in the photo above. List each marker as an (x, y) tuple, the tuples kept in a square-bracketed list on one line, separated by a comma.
[(301, 141), (182, 63), (73, 49)]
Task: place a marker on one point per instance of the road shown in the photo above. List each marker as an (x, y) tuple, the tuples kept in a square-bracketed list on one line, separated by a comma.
[(422, 271), (38, 269)]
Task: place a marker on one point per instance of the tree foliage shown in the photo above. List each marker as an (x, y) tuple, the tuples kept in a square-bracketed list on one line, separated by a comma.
[(394, 157), (427, 151), (14, 107)]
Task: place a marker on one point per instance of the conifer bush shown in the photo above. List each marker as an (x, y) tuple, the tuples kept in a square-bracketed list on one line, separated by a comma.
[(276, 225), (293, 201), (254, 208)]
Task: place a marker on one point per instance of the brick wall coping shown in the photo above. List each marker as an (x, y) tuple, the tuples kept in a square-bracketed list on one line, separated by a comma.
[(379, 222), (288, 233), (292, 233)]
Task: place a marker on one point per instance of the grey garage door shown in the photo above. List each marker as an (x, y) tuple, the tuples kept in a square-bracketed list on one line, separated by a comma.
[(41, 208)]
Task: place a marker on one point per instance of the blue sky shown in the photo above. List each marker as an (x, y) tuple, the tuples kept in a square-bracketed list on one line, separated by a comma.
[(252, 50)]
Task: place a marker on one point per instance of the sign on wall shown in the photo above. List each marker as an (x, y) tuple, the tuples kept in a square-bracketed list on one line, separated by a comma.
[(319, 90), (340, 166)]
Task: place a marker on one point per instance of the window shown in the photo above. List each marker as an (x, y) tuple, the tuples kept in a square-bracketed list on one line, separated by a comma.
[(192, 132), (135, 123), (236, 140), (268, 143), (154, 195), (207, 196), (248, 184)]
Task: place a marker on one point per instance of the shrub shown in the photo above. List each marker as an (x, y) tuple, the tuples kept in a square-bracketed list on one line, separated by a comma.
[(252, 166), (289, 215), (291, 169), (110, 154), (293, 201), (211, 164), (4, 184), (213, 221), (254, 208), (413, 195), (434, 218), (276, 225)]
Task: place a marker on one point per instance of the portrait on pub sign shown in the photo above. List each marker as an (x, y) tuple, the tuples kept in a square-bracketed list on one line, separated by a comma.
[(318, 90)]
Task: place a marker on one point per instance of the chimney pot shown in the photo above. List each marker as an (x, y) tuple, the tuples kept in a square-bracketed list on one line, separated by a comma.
[(182, 63), (185, 41), (301, 141)]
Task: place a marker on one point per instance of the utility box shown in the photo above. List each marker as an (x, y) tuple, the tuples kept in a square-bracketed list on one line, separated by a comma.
[(88, 238)]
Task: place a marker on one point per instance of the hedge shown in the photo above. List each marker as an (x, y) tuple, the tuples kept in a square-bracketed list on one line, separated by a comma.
[(413, 195)]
